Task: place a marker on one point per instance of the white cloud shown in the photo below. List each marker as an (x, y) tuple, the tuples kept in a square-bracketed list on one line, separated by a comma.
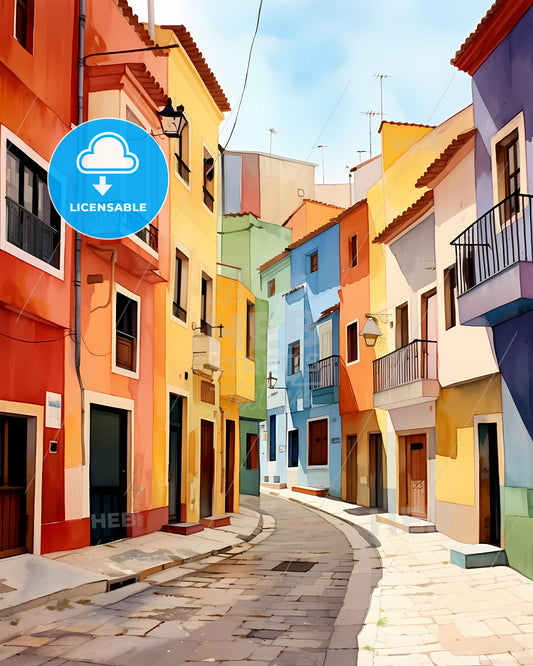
[(107, 153)]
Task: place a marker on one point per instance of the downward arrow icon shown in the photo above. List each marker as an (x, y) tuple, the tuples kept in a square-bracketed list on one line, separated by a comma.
[(102, 186)]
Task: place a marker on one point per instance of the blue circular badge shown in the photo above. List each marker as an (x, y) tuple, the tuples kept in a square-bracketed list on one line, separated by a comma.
[(108, 178)]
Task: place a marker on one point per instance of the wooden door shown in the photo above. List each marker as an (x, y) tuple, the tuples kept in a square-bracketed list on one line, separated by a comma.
[(416, 476), (230, 466), (375, 480), (318, 442), (489, 485), (207, 465), (174, 458), (351, 468), (325, 340), (14, 506), (108, 474)]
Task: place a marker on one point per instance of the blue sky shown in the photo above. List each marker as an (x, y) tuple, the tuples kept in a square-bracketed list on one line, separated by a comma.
[(312, 68)]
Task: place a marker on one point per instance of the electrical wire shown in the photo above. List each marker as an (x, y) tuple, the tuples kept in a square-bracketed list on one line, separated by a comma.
[(33, 342), (246, 75)]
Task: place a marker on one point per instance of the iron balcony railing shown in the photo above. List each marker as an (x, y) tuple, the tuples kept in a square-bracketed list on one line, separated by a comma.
[(31, 234), (150, 235), (417, 360), (497, 240), (182, 168), (324, 373)]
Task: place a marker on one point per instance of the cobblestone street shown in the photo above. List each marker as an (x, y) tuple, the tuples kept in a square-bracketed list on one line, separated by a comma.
[(241, 607)]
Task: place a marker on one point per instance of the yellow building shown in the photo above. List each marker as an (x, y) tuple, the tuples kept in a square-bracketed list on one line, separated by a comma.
[(192, 446)]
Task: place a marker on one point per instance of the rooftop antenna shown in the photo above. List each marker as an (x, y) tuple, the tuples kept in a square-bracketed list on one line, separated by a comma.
[(272, 131), (361, 153), (381, 77), (323, 175), (370, 115)]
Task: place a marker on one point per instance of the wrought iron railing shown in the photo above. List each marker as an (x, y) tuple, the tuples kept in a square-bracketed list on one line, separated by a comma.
[(209, 199), (324, 373), (32, 235), (150, 235), (182, 169), (417, 360), (498, 239)]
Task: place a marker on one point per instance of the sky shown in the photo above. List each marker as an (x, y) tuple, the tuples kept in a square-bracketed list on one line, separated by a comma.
[(312, 71)]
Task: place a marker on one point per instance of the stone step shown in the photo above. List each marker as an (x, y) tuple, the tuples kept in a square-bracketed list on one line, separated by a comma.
[(182, 528), (477, 556), (308, 490), (406, 523), (274, 486), (216, 521)]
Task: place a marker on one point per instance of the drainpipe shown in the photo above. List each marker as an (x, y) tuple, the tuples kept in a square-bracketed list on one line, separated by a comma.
[(77, 238), (151, 20)]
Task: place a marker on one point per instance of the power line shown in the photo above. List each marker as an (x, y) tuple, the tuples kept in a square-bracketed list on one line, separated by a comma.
[(247, 72), (33, 342)]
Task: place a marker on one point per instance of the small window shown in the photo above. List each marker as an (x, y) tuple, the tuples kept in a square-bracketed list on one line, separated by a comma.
[(252, 451), (450, 296), (402, 326), (126, 332), (313, 262), (24, 23), (352, 339), (318, 442), (354, 260), (209, 181), (206, 304), (181, 279), (508, 163), (272, 438), (294, 357), (271, 287), (250, 330), (181, 153), (293, 448)]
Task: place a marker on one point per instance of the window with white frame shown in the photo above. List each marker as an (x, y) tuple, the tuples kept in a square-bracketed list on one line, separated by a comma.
[(126, 332), (181, 282)]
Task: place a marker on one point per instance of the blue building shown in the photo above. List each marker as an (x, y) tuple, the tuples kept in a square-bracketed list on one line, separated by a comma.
[(303, 446), (494, 257)]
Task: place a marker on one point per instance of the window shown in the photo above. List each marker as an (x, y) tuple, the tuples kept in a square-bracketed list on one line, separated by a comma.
[(271, 287), (508, 161), (352, 340), (293, 448), (312, 262), (294, 357), (33, 224), (181, 153), (209, 181), (353, 251), (126, 332), (205, 304), (318, 442), (181, 279), (402, 326), (272, 438), (24, 23), (252, 451), (250, 330), (450, 296)]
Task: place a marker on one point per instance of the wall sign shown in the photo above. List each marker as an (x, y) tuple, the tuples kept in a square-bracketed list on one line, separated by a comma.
[(52, 411)]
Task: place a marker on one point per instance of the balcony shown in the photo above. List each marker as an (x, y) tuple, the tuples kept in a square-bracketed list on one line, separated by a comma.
[(324, 380), (407, 376), (32, 235), (205, 353), (494, 259), (150, 235)]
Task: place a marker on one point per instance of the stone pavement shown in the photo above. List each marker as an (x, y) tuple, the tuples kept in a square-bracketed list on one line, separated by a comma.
[(426, 610), (27, 580), (287, 597)]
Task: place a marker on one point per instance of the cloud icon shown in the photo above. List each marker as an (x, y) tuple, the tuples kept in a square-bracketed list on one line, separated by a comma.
[(107, 153)]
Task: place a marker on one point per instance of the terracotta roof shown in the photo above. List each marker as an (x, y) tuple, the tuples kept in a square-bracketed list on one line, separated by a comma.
[(403, 221), (139, 27), (329, 311), (312, 234), (239, 215), (202, 67), (274, 260), (491, 30), (321, 203), (438, 166), (347, 212), (391, 122)]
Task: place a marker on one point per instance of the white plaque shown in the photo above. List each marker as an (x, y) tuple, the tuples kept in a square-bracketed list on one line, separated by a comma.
[(53, 410)]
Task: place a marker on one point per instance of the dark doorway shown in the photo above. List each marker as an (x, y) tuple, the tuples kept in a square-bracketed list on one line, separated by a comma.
[(15, 528), (294, 448), (108, 473), (375, 481), (174, 458), (416, 476), (351, 468), (230, 465), (207, 469), (489, 485)]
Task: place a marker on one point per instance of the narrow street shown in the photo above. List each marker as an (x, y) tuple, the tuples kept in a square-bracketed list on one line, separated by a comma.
[(237, 610)]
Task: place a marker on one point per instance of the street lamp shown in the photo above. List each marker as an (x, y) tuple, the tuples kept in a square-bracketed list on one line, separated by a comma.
[(370, 331), (172, 120)]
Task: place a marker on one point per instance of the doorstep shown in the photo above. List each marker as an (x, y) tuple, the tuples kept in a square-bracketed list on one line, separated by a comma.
[(273, 486), (406, 523), (182, 528), (477, 556), (308, 490), (216, 521)]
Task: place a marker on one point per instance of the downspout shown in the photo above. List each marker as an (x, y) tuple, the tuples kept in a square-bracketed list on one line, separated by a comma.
[(77, 237)]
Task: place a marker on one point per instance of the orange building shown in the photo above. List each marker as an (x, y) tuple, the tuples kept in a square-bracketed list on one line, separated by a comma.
[(310, 216), (362, 447)]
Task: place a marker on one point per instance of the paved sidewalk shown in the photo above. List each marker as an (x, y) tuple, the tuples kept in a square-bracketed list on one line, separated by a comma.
[(426, 610), (29, 580)]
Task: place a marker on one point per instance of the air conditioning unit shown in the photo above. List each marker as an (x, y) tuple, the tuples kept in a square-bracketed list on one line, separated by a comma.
[(205, 352)]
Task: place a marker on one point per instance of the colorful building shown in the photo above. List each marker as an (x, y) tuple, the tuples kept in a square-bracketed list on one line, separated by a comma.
[(494, 258)]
